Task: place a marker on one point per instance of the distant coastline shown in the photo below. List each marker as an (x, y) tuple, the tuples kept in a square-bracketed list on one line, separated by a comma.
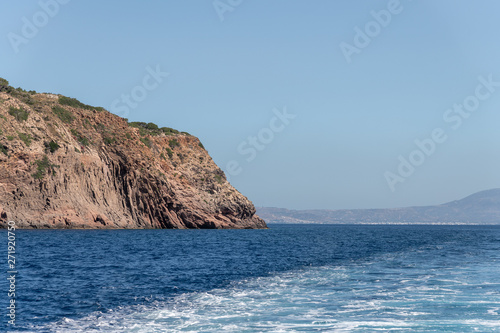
[(482, 208)]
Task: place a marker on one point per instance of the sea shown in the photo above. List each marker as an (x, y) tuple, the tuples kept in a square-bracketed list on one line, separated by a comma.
[(289, 278)]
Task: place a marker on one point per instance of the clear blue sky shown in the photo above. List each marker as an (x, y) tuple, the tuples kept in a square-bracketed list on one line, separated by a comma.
[(352, 120)]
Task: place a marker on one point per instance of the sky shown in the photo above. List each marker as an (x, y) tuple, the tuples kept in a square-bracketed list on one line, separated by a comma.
[(304, 105)]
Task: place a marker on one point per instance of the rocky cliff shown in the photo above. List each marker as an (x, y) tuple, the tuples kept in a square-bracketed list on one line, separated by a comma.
[(64, 164)]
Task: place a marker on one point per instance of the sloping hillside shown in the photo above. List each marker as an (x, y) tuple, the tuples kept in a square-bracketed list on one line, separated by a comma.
[(64, 164)]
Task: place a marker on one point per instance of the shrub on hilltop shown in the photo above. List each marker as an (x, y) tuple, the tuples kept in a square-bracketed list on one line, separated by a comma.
[(3, 84), (63, 100)]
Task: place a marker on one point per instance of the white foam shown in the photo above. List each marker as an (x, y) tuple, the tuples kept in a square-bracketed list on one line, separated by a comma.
[(332, 299), (493, 312)]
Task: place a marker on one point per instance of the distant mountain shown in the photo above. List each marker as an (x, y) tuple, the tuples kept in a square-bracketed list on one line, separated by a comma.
[(479, 208)]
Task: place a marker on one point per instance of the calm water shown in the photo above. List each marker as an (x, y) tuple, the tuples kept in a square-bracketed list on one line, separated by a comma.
[(291, 278)]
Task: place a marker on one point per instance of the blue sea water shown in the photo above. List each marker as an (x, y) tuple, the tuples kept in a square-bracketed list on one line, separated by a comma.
[(290, 278)]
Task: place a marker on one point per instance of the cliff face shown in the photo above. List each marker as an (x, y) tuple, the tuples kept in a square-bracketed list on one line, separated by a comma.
[(64, 164)]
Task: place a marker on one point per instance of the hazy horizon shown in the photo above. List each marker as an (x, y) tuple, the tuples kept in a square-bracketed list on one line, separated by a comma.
[(435, 204), (324, 105)]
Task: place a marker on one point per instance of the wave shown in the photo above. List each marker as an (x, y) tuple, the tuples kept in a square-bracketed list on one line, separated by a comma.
[(362, 297)]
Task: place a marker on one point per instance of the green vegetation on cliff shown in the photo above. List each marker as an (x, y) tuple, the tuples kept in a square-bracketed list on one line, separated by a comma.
[(19, 113), (63, 114), (63, 100)]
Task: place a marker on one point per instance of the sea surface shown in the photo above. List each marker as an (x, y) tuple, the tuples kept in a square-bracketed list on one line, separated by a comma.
[(290, 278)]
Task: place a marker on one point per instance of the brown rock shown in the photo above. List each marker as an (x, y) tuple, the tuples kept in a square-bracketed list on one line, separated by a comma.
[(107, 174)]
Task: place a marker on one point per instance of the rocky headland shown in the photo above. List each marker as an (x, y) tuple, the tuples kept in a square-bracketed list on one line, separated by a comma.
[(65, 164)]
